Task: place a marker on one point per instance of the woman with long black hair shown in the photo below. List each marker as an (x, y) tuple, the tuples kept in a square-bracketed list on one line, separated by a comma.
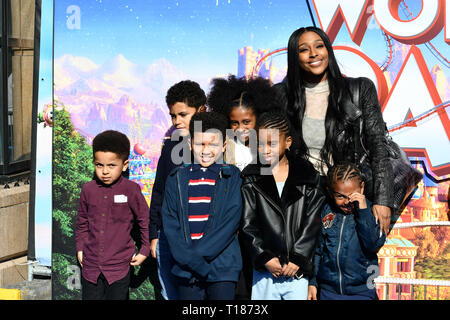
[(316, 97)]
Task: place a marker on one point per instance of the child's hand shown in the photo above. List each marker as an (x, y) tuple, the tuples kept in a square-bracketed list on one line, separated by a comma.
[(80, 258), (137, 259), (360, 198), (274, 267), (312, 293), (289, 270), (153, 244)]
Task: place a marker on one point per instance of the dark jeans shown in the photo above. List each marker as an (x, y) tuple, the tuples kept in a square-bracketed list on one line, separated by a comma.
[(117, 290), (223, 290)]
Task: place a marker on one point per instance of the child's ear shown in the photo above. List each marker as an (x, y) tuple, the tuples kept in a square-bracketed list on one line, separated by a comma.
[(125, 165), (201, 109), (224, 145), (288, 142), (189, 142), (362, 187)]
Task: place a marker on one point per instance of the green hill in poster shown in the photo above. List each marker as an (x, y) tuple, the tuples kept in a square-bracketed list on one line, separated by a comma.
[(72, 167)]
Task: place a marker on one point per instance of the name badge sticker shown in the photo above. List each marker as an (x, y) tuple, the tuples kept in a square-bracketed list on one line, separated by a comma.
[(120, 198)]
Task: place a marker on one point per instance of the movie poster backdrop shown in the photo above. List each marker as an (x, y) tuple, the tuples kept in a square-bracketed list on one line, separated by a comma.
[(115, 60)]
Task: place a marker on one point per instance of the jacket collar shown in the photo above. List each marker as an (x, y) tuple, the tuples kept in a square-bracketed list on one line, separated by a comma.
[(301, 172), (223, 169), (214, 167)]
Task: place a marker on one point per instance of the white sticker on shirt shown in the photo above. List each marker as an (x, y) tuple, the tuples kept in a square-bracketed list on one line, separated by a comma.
[(120, 198)]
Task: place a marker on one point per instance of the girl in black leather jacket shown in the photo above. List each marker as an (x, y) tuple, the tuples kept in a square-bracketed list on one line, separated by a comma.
[(281, 214)]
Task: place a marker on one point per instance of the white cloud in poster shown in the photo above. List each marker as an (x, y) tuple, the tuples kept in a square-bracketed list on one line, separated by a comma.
[(75, 76)]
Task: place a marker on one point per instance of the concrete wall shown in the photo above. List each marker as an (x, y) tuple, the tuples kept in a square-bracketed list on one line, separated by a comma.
[(13, 234)]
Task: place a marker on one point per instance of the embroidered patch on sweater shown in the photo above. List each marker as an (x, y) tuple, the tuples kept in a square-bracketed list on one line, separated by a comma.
[(328, 220)]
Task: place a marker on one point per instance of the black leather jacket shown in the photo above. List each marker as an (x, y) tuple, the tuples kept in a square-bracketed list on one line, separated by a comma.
[(374, 130), (286, 227)]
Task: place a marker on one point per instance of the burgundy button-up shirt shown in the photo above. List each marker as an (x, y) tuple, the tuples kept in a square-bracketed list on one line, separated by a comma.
[(105, 219)]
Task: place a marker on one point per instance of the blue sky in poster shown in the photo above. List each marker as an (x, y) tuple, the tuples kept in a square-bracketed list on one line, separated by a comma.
[(46, 55), (139, 49), (181, 31)]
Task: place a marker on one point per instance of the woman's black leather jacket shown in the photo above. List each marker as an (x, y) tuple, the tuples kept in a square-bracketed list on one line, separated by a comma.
[(373, 138)]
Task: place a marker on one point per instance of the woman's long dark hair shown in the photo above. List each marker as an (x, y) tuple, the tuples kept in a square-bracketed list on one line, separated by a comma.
[(295, 85)]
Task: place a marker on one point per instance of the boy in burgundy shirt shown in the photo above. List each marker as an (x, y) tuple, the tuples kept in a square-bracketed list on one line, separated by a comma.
[(108, 206)]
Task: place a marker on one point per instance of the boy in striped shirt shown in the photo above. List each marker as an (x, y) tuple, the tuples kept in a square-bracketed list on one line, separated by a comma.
[(201, 190), (201, 211)]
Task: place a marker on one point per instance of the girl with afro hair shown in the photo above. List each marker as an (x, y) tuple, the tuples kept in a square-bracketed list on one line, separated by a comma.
[(241, 101)]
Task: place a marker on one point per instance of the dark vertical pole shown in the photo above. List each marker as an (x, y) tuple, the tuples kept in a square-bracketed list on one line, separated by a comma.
[(424, 292), (4, 85), (399, 291), (412, 292), (437, 292), (310, 12), (37, 42)]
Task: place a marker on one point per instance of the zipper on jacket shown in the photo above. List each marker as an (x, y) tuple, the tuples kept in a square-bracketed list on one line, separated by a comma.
[(182, 210), (213, 204), (337, 255), (282, 216)]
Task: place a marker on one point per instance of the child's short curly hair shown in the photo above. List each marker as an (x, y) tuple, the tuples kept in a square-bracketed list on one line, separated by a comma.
[(227, 93), (112, 141), (188, 92), (209, 120)]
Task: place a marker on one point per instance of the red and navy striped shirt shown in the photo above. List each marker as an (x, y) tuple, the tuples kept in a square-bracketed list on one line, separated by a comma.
[(202, 182)]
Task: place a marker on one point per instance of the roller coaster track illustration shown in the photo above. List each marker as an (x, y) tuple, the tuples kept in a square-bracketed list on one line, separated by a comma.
[(277, 52), (413, 121), (258, 63), (435, 52), (390, 51), (389, 47), (274, 53), (420, 224), (420, 282)]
